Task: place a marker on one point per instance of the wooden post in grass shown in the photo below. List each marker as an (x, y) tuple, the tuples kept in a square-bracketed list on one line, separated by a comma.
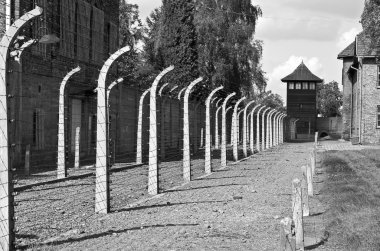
[(27, 160), (305, 197), (297, 213), (77, 139), (312, 161), (286, 242), (309, 180)]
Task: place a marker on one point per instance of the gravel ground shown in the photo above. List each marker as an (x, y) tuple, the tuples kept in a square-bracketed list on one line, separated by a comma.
[(236, 208)]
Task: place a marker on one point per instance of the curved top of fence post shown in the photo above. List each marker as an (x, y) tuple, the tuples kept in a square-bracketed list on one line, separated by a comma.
[(254, 109), (162, 88), (180, 92), (153, 89), (11, 33), (261, 108), (208, 100), (172, 89), (238, 103), (268, 108), (213, 100), (248, 105), (190, 87), (107, 65), (112, 85), (67, 77), (226, 100), (228, 109), (218, 109), (217, 102), (143, 96)]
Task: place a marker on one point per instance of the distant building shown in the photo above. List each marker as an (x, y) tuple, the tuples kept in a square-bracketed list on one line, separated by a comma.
[(301, 102), (88, 33), (361, 91)]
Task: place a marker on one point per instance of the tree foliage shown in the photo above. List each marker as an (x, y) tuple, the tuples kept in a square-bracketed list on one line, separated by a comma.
[(329, 99), (228, 53), (370, 20), (271, 100), (172, 40)]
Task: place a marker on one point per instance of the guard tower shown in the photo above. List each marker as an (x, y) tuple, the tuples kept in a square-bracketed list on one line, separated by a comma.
[(302, 102)]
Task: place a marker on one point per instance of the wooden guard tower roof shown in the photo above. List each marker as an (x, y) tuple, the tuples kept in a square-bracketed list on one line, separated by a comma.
[(302, 73)]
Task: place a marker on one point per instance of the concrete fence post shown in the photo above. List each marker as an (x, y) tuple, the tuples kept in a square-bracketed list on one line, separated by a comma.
[(251, 141), (258, 129), (77, 148), (7, 236), (208, 166), (287, 242), (62, 152), (269, 129), (186, 132), (245, 128), (223, 154), (217, 127), (313, 159), (304, 187), (238, 126), (298, 214), (316, 140), (139, 128), (27, 160), (235, 129), (153, 161), (102, 192), (263, 137), (274, 131), (180, 92)]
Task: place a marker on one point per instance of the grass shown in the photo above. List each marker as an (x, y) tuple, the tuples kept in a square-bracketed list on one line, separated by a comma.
[(352, 196)]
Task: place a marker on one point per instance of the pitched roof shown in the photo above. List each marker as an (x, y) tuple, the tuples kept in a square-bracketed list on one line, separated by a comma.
[(349, 51), (364, 46), (302, 73)]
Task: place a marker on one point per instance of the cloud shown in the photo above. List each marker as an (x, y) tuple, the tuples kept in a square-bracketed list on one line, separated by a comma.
[(287, 67), (347, 38), (297, 28)]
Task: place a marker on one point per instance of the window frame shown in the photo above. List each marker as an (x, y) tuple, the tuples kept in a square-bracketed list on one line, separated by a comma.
[(312, 84), (378, 117), (378, 76), (291, 86), (305, 84), (298, 86)]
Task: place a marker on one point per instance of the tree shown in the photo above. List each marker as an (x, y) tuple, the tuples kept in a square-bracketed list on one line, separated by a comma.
[(271, 100), (329, 99), (173, 40), (228, 53), (370, 20)]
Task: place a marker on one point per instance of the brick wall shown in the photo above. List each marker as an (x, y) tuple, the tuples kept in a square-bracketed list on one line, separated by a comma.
[(370, 100)]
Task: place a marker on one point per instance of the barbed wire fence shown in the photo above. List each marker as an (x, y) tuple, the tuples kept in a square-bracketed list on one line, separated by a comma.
[(88, 143)]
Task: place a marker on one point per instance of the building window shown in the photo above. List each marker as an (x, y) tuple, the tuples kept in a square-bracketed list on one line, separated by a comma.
[(312, 86), (378, 76), (298, 86), (305, 86), (38, 129), (291, 86), (378, 117)]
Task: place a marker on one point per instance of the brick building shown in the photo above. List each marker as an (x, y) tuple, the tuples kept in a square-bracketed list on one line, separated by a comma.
[(88, 33), (361, 91), (301, 102)]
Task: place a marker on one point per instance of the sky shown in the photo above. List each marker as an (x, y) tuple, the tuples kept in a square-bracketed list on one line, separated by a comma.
[(314, 31)]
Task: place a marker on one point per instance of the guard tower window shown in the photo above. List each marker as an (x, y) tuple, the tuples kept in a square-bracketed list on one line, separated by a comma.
[(305, 86), (298, 86), (291, 86), (312, 86)]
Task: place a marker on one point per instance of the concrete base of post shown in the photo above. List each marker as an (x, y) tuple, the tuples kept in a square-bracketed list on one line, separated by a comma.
[(298, 214)]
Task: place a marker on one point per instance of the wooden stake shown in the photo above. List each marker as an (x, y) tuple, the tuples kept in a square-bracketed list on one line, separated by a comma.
[(297, 214), (309, 181), (305, 197)]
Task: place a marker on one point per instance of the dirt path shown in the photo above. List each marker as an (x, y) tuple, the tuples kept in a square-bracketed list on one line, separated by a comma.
[(236, 208)]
